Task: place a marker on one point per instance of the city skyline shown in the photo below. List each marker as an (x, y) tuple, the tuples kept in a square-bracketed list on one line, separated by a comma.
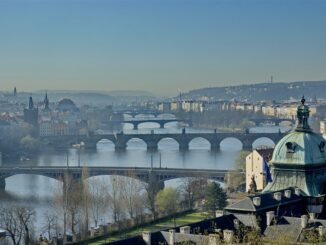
[(158, 46)]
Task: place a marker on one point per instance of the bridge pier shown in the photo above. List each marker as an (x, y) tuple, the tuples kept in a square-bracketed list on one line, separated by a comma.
[(183, 146), (247, 146), (161, 125), (135, 126), (120, 147), (152, 146), (215, 147), (2, 184)]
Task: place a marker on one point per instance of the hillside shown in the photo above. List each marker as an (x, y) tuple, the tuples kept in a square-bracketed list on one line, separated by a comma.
[(262, 91)]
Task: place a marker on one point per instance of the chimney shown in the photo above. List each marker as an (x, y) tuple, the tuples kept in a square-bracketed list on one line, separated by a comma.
[(171, 237), (228, 236), (185, 230), (269, 217), (278, 196), (92, 232), (287, 193), (256, 201), (219, 213), (147, 237), (321, 230), (214, 239), (304, 221), (236, 224), (297, 191)]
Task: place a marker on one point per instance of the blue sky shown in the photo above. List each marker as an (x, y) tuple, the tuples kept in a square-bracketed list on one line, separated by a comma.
[(159, 45)]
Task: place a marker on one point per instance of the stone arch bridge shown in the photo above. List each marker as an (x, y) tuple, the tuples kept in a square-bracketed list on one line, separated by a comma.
[(183, 139), (140, 173), (161, 122)]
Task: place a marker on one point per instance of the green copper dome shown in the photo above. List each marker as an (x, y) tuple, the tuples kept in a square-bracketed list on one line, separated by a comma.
[(301, 147), (299, 159)]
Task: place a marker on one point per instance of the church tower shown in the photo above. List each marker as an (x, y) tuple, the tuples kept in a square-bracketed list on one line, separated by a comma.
[(31, 113), (46, 102)]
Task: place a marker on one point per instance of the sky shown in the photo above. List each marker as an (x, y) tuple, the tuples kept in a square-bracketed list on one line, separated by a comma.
[(161, 46)]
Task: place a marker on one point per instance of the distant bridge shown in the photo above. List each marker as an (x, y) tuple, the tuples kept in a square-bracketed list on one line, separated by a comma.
[(152, 140), (161, 122), (276, 121), (140, 173), (147, 112)]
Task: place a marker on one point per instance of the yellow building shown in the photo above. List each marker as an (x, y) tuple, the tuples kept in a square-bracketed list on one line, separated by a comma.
[(255, 167)]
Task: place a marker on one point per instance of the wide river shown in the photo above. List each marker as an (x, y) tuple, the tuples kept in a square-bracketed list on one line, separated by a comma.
[(38, 191)]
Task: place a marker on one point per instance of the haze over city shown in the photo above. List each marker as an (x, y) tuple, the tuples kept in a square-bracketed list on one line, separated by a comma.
[(159, 46)]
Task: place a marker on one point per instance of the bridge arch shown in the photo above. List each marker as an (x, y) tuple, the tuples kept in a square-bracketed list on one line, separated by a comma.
[(136, 143), (231, 144), (105, 143), (200, 143), (166, 115), (106, 178), (168, 143), (263, 142), (144, 115)]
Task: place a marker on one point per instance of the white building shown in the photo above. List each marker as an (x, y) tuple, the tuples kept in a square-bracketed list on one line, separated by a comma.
[(255, 167)]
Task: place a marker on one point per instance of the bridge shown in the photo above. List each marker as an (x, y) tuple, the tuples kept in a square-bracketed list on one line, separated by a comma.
[(161, 122), (140, 173), (152, 140), (134, 113), (276, 121)]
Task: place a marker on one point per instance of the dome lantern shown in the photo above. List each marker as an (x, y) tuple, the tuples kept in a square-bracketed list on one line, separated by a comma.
[(303, 116)]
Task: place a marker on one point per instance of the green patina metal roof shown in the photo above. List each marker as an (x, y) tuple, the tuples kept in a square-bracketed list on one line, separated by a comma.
[(299, 159), (305, 149)]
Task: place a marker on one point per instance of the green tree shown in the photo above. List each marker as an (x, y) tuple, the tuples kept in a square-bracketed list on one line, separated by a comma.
[(167, 201), (235, 179), (215, 197), (29, 144)]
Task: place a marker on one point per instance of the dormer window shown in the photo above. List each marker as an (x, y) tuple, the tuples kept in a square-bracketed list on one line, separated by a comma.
[(290, 147), (321, 146)]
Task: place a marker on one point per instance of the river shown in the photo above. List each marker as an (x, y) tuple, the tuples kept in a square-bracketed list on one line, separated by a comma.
[(38, 191)]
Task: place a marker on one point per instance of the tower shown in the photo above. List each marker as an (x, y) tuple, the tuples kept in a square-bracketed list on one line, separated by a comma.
[(31, 113), (15, 92), (46, 102)]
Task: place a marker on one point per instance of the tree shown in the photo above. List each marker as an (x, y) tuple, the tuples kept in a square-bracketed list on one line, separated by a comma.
[(50, 224), (191, 188), (215, 197), (131, 190), (99, 198), (152, 187), (167, 201), (29, 144), (235, 179), (18, 221), (116, 198)]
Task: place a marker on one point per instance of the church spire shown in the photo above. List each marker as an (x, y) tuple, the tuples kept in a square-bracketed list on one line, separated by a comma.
[(31, 103), (303, 116), (46, 102)]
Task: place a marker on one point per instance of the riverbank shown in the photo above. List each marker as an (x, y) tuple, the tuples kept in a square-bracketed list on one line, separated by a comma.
[(165, 223)]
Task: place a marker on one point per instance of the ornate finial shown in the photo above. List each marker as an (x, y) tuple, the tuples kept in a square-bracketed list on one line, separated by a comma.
[(303, 100), (303, 116)]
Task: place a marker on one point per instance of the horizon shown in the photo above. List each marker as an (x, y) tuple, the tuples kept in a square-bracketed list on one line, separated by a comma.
[(162, 47)]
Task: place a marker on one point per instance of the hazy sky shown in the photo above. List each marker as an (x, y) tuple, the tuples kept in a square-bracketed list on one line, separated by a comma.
[(159, 45)]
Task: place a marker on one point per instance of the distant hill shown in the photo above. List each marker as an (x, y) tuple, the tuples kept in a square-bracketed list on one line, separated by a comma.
[(262, 91)]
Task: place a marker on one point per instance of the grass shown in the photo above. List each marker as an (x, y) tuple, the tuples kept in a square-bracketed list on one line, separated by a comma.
[(168, 223)]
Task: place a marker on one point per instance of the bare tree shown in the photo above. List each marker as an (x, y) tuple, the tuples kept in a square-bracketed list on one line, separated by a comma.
[(18, 222), (116, 198), (131, 190), (50, 224), (99, 198), (191, 188)]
